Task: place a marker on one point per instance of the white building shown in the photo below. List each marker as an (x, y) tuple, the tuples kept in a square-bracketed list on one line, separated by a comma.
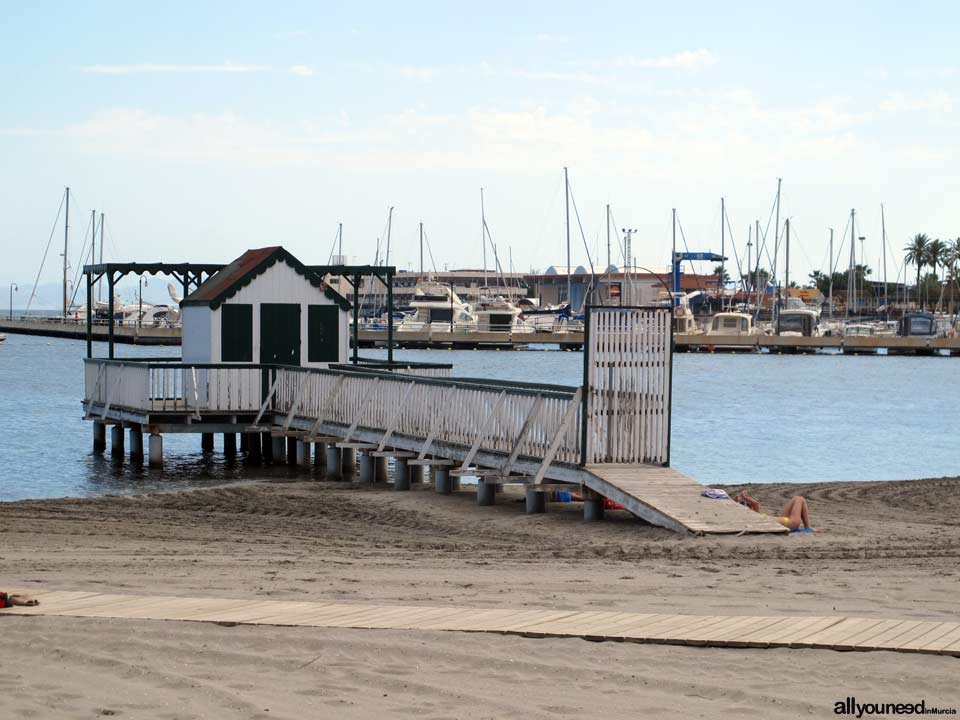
[(265, 307)]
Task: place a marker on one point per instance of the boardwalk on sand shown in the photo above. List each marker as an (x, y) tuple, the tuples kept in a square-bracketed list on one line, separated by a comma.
[(668, 498), (834, 632)]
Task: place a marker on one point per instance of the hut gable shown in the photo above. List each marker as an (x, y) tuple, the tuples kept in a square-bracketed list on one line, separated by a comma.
[(265, 307)]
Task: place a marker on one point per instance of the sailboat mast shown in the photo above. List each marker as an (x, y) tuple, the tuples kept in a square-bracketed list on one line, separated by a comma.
[(421, 251), (673, 256), (756, 281), (389, 228), (786, 275), (776, 233), (723, 238), (830, 270), (886, 290), (483, 236), (608, 235), (566, 187), (746, 282), (340, 242), (100, 284), (66, 242), (851, 279)]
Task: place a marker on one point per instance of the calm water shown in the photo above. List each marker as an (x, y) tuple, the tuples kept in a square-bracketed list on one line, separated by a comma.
[(737, 418)]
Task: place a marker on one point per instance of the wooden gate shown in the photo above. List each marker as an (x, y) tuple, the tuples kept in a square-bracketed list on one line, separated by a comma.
[(627, 369)]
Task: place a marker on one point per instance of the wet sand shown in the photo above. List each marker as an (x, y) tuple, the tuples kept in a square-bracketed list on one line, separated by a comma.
[(888, 550)]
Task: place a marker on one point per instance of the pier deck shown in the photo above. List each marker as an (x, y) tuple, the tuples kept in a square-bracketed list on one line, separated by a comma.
[(833, 632), (665, 497)]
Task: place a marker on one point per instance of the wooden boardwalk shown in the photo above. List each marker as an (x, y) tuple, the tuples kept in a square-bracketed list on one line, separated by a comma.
[(833, 632), (665, 497)]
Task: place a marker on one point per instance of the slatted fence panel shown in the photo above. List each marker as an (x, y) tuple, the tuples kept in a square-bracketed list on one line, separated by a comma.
[(628, 365)]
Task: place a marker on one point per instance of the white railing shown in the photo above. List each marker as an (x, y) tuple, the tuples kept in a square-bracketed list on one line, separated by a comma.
[(628, 366)]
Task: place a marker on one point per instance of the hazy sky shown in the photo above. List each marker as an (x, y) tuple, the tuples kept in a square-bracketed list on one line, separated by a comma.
[(202, 132)]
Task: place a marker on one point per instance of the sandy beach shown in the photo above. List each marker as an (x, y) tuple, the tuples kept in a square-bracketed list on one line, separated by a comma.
[(888, 549)]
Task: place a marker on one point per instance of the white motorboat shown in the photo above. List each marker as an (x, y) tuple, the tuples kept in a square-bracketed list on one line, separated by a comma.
[(497, 314), (436, 305)]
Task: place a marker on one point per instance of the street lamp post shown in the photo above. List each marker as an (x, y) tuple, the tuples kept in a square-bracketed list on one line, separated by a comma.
[(13, 288)]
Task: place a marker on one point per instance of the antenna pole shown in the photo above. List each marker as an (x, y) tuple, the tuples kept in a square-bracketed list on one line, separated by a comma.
[(66, 242), (566, 186)]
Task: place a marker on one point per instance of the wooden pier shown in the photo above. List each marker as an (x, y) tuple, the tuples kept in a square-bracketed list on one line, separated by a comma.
[(830, 632), (100, 331), (609, 438)]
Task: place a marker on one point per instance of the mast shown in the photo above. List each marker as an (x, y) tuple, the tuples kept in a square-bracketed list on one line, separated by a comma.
[(851, 279), (756, 281), (389, 228), (66, 242), (100, 284), (340, 242), (608, 235), (723, 238), (673, 256), (830, 270), (483, 236), (786, 276), (749, 258), (421, 251), (566, 186), (886, 291), (776, 233)]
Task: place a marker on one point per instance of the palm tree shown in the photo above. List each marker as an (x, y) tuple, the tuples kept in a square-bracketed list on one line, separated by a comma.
[(937, 255), (917, 254)]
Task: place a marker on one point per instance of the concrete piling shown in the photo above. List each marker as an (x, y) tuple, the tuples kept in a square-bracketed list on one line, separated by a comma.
[(230, 444), (303, 453), (254, 451), (99, 437), (486, 492), (116, 441), (367, 467), (416, 473), (401, 474), (319, 454), (156, 450), (380, 473), (334, 468), (278, 449), (291, 451), (136, 444), (206, 442), (244, 442), (266, 446), (441, 479), (536, 501), (592, 506), (349, 461)]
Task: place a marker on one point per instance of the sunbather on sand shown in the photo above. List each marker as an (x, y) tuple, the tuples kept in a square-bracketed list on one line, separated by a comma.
[(794, 515), (11, 600)]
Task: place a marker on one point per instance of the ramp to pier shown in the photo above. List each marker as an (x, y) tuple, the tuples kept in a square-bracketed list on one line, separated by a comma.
[(662, 496)]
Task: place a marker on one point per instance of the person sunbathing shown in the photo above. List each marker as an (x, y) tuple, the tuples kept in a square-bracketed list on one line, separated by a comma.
[(14, 599), (794, 516)]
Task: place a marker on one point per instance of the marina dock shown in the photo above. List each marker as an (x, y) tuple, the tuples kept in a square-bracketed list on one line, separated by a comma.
[(77, 330)]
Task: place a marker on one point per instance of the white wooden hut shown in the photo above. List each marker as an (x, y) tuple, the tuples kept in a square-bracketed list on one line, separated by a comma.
[(265, 307)]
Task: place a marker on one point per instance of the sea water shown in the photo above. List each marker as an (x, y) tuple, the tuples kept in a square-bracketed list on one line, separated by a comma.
[(736, 418)]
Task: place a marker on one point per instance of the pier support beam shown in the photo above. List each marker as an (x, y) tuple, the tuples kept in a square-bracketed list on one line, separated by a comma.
[(592, 506), (349, 461), (206, 442), (278, 449), (99, 437), (401, 474), (441, 480), (136, 445), (319, 454), (367, 467), (486, 492), (116, 441), (230, 444), (303, 453), (334, 468), (156, 450), (254, 453), (536, 501), (266, 446), (244, 442), (380, 470), (291, 451)]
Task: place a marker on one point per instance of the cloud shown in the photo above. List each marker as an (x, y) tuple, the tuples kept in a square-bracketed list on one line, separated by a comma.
[(418, 72), (543, 37), (301, 70), (689, 60), (157, 68), (937, 102)]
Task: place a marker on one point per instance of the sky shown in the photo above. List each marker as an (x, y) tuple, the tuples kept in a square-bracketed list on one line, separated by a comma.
[(201, 130)]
